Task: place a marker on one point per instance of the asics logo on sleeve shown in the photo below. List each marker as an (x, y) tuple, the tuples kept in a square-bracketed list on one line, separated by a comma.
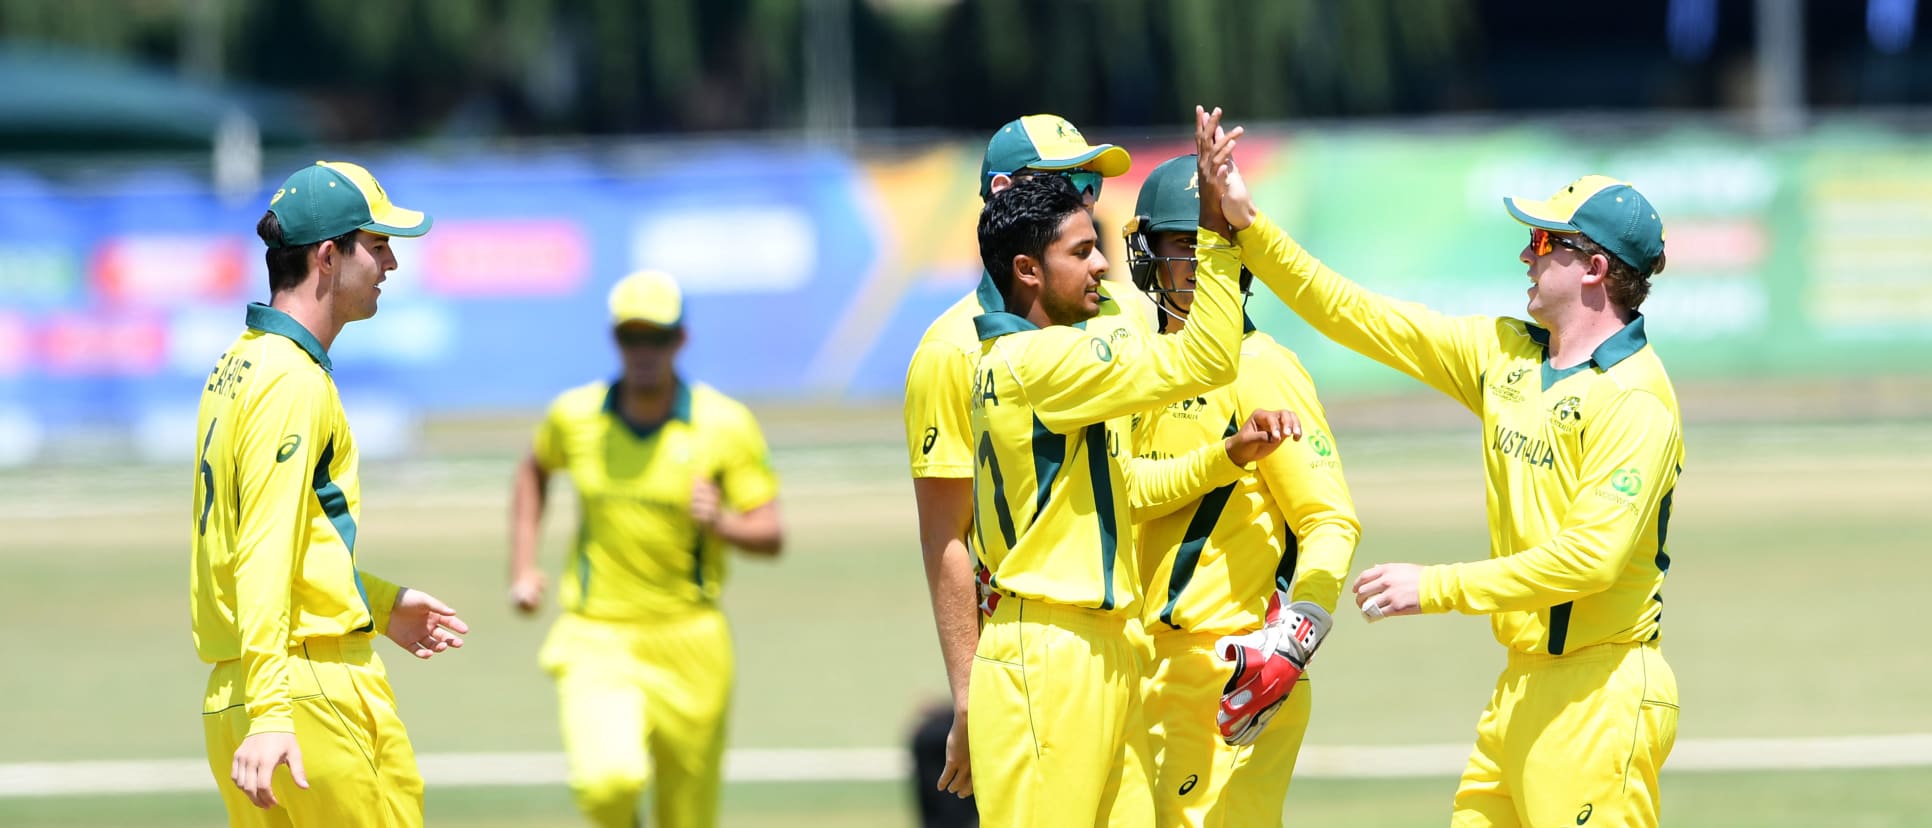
[(932, 434), (1188, 784), (288, 447), (1583, 816)]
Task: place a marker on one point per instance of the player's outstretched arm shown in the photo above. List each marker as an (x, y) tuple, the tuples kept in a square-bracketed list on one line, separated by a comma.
[(1444, 352), (1073, 379), (1629, 447), (1158, 487)]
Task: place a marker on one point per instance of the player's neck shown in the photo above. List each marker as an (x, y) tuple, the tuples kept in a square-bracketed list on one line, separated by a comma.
[(318, 318), (1574, 340), (646, 405)]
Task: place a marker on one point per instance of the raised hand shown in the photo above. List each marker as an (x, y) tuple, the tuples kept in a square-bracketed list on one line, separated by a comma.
[(1214, 166)]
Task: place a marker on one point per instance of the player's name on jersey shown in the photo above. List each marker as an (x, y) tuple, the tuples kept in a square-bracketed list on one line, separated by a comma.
[(983, 390)]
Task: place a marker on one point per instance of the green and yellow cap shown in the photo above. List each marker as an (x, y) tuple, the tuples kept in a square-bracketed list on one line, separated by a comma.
[(1611, 212), (1170, 198), (1045, 142), (335, 197), (647, 296)]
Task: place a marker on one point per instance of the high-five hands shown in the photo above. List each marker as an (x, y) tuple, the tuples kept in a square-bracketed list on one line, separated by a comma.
[(1214, 167)]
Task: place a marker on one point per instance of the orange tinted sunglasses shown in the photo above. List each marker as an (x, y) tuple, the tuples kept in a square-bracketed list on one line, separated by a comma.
[(1543, 241)]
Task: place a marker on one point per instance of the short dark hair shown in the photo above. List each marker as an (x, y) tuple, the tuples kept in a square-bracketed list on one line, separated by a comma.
[(287, 265), (1623, 283), (1022, 220)]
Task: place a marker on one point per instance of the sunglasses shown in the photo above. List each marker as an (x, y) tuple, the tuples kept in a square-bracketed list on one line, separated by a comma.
[(1543, 241), (1087, 182), (647, 337)]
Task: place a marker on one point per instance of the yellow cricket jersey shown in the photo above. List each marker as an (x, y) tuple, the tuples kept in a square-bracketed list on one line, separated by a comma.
[(638, 554), (940, 377), (1051, 407), (276, 498), (1580, 462), (1210, 566)]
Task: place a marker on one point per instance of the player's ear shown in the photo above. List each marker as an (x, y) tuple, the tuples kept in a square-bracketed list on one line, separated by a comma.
[(1000, 182), (1597, 269), (322, 258), (1027, 271)]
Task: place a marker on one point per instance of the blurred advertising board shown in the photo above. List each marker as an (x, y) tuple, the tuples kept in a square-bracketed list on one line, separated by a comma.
[(811, 274)]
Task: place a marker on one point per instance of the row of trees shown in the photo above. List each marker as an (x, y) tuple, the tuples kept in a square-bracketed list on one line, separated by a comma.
[(401, 68)]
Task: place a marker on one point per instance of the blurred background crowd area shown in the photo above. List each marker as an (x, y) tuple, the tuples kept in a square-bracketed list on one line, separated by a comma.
[(807, 168)]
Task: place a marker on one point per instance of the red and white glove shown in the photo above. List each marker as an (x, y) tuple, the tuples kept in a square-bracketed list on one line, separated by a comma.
[(1267, 663), (989, 599)]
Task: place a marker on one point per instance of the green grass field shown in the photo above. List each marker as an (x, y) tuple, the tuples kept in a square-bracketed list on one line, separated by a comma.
[(1799, 555)]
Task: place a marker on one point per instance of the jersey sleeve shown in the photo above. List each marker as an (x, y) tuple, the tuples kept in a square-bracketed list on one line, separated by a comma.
[(381, 595), (1158, 487), (277, 445), (744, 465), (939, 433), (1446, 353), (1627, 450), (1072, 378), (1305, 480)]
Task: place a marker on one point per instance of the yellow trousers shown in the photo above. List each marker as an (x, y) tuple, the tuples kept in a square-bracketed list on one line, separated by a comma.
[(357, 757), (1200, 780), (1575, 739), (1055, 721), (643, 704)]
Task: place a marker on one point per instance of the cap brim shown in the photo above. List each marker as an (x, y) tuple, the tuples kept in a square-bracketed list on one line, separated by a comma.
[(1106, 159), (1538, 214), (397, 221)]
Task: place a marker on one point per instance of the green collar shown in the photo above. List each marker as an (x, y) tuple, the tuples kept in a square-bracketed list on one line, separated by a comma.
[(680, 408), (1619, 347), (996, 322), (269, 320)]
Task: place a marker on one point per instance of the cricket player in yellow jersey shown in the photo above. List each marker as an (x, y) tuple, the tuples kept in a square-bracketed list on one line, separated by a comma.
[(280, 607), (1212, 565), (1052, 521), (938, 379), (1582, 447), (669, 474)]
